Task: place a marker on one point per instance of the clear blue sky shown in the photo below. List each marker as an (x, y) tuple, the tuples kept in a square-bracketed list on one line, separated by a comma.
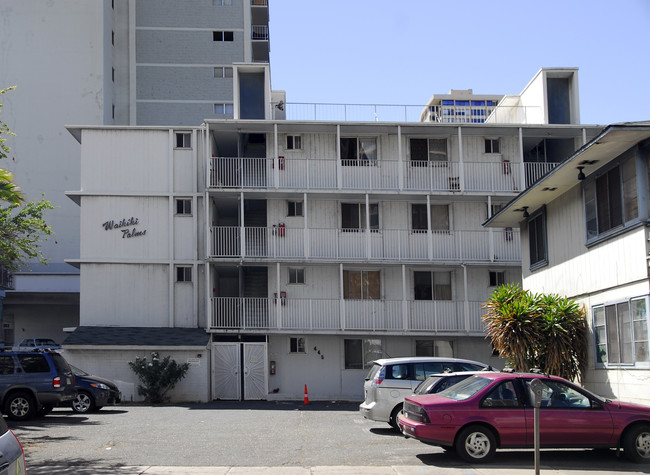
[(404, 51)]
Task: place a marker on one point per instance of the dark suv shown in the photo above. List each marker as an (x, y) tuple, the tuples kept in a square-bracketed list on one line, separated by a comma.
[(33, 382)]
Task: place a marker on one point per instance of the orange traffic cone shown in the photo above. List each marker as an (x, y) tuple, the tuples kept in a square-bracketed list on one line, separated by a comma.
[(306, 396)]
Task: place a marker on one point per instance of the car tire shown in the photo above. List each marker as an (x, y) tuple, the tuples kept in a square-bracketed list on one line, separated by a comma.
[(476, 444), (20, 406), (83, 403), (636, 443), (393, 417)]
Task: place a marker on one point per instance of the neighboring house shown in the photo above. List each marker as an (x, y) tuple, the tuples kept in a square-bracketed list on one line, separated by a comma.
[(94, 62), (302, 249), (584, 235)]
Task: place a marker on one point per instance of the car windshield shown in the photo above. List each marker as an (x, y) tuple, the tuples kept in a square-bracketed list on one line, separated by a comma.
[(425, 386), (373, 371), (78, 371), (60, 363), (465, 389), (45, 341)]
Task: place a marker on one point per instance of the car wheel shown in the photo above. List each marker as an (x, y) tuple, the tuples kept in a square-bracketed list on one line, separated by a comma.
[(636, 443), (20, 406), (476, 444), (393, 417), (83, 403), (45, 409)]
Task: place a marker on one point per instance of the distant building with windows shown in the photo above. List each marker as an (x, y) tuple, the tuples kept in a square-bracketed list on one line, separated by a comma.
[(273, 254)]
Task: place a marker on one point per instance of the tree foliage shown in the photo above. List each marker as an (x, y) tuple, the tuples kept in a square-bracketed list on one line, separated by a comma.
[(537, 331), (157, 376), (22, 225)]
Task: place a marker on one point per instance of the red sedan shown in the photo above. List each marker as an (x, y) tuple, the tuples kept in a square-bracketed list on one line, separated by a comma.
[(495, 410)]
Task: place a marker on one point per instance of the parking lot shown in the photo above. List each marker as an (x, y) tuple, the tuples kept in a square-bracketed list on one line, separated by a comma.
[(256, 434)]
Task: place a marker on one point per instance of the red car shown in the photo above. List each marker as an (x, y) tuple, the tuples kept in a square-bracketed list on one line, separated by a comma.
[(495, 410)]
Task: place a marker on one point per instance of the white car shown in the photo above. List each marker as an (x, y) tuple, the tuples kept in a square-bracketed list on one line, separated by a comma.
[(390, 380)]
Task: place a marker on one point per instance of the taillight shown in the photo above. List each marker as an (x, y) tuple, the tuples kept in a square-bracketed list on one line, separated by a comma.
[(56, 382), (381, 374)]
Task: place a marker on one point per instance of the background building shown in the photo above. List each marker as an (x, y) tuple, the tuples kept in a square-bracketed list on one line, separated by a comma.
[(114, 63)]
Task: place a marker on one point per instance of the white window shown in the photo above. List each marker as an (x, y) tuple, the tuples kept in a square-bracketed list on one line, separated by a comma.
[(184, 206), (497, 278), (360, 353), (294, 142), (361, 285), (223, 109), (492, 146), (222, 36), (432, 285), (297, 344), (183, 274), (428, 151), (439, 218), (294, 208), (296, 276), (353, 216), (621, 333), (358, 151), (183, 140), (222, 72)]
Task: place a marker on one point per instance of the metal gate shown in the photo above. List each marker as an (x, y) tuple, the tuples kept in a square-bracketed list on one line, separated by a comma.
[(239, 371)]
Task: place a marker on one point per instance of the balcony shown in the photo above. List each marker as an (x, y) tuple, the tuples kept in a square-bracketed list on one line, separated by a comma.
[(331, 315), (323, 174), (392, 245)]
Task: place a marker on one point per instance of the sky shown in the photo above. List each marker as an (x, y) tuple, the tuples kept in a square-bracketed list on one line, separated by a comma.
[(404, 51)]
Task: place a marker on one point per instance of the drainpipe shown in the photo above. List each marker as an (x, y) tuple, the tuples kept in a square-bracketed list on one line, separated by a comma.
[(466, 303)]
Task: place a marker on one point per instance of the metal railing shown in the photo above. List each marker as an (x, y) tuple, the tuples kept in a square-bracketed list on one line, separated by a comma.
[(404, 113), (386, 174), (260, 32), (394, 316), (6, 279), (335, 244)]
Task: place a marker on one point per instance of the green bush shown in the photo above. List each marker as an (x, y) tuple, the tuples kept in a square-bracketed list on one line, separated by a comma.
[(157, 376)]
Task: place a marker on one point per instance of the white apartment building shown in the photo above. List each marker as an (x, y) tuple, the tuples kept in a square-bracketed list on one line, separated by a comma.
[(584, 230), (276, 254), (111, 62)]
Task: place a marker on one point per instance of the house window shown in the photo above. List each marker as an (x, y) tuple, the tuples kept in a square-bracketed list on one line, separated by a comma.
[(184, 206), (492, 146), (294, 142), (434, 348), (294, 208), (361, 285), (353, 216), (537, 239), (222, 72), (611, 199), (360, 353), (223, 109), (358, 151), (183, 274), (621, 333), (222, 36), (439, 217), (497, 278), (432, 285), (428, 151), (183, 140), (296, 276), (297, 344)]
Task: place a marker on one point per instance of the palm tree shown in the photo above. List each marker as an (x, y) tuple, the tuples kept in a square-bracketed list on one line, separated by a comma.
[(537, 331), (9, 191)]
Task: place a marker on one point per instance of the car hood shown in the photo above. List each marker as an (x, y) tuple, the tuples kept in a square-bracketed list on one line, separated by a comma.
[(96, 379), (628, 407)]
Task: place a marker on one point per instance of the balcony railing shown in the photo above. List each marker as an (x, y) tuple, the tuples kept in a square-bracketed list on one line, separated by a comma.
[(403, 113), (400, 245), (260, 32), (390, 175), (325, 315)]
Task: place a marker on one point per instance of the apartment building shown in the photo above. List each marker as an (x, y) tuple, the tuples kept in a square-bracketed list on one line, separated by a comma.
[(294, 252), (108, 62), (584, 235)]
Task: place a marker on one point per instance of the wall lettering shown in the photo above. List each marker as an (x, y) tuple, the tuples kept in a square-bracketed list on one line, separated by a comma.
[(128, 223)]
